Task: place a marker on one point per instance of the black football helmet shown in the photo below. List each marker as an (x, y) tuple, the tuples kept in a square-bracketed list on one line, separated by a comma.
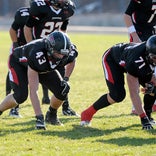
[(59, 3), (151, 49), (58, 42)]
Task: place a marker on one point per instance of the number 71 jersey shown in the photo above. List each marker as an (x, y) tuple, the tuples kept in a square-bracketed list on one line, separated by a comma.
[(132, 57)]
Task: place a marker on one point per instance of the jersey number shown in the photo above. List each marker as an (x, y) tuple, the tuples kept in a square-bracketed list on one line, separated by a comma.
[(24, 12), (40, 57), (141, 60), (40, 2), (152, 16), (50, 27)]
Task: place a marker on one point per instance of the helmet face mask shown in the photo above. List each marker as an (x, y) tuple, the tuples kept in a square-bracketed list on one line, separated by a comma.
[(152, 59), (59, 3), (151, 50), (58, 45)]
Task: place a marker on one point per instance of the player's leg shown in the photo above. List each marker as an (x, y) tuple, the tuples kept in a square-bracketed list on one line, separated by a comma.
[(45, 98), (52, 81), (19, 85), (148, 103), (115, 83), (66, 109), (8, 87)]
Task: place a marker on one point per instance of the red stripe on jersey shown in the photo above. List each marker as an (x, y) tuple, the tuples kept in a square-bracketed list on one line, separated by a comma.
[(13, 77), (108, 73)]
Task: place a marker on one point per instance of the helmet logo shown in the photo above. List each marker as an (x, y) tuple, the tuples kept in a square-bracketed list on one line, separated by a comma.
[(52, 41)]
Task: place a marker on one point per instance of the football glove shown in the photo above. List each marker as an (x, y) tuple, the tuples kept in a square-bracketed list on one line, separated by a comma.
[(146, 123), (149, 89), (66, 88)]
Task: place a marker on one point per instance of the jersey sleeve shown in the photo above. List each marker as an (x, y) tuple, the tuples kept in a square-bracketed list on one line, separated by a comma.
[(15, 24), (131, 7), (34, 12), (142, 72), (72, 56), (64, 25)]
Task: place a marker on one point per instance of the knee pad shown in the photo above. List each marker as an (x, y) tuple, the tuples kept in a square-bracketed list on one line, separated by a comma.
[(20, 97), (60, 96), (118, 96), (62, 92)]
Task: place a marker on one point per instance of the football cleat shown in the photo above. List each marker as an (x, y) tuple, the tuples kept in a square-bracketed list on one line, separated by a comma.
[(69, 112), (85, 123), (14, 112), (52, 119)]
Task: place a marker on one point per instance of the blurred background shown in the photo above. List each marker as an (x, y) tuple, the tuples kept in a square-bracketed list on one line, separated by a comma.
[(97, 12)]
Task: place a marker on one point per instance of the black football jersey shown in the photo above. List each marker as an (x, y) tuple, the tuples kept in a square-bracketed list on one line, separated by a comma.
[(20, 19), (44, 19), (133, 58), (142, 13), (35, 55)]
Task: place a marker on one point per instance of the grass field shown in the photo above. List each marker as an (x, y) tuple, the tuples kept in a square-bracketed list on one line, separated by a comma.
[(114, 132)]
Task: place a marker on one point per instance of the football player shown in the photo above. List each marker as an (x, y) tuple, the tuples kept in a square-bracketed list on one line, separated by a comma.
[(45, 17), (137, 60), (39, 61), (18, 39), (140, 20)]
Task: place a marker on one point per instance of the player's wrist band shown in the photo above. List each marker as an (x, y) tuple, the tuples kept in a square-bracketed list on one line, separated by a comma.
[(131, 29)]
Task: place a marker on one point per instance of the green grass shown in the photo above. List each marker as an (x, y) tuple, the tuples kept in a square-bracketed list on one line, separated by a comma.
[(113, 133)]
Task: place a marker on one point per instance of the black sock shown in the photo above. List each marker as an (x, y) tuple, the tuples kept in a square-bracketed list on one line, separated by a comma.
[(52, 110), (101, 102), (148, 103)]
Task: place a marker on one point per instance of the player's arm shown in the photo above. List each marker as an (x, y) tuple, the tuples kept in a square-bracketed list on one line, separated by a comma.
[(133, 85), (13, 29), (64, 25), (71, 61), (131, 29), (13, 36), (28, 33), (33, 80), (69, 69), (31, 21), (128, 21)]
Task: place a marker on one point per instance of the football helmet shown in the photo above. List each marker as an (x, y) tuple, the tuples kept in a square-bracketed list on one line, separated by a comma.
[(58, 42), (59, 3), (151, 49)]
